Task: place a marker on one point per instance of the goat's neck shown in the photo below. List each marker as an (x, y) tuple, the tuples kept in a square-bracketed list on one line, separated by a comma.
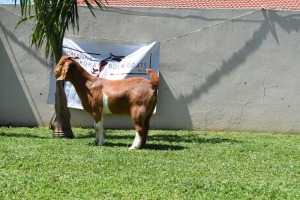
[(81, 80), (78, 75)]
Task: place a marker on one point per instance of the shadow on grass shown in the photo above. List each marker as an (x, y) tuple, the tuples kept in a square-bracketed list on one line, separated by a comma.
[(24, 135), (191, 138), (164, 147), (175, 141), (156, 147), (159, 141), (90, 134)]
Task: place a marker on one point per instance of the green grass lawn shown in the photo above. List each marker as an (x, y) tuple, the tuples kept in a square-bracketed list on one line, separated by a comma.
[(174, 165)]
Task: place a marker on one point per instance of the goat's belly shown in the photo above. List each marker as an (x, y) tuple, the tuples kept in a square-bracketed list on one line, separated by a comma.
[(115, 105)]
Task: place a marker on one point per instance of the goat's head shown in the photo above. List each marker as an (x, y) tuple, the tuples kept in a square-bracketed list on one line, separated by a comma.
[(61, 69)]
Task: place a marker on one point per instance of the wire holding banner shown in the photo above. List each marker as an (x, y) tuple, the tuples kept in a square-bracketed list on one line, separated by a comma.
[(176, 37), (210, 26), (148, 42)]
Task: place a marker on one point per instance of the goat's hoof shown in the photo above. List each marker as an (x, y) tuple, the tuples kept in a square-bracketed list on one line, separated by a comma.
[(133, 148), (99, 143)]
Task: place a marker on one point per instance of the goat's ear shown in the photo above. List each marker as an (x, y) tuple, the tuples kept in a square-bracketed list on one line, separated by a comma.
[(73, 57)]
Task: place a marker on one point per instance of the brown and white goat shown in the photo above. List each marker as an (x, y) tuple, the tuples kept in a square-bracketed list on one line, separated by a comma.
[(131, 96)]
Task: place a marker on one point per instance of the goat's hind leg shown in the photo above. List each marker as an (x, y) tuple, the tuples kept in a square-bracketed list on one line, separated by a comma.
[(146, 127), (99, 140), (138, 118), (145, 132), (137, 143)]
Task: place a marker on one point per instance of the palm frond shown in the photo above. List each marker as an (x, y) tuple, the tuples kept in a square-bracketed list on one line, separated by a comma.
[(25, 19), (53, 18), (97, 2), (25, 7)]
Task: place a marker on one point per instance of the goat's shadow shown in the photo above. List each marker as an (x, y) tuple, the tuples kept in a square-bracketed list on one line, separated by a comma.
[(159, 141), (114, 141), (22, 135)]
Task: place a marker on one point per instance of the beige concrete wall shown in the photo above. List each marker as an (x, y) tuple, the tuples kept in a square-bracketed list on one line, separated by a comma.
[(24, 75), (234, 75)]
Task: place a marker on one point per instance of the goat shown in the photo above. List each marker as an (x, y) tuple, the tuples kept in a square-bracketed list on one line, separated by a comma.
[(130, 96)]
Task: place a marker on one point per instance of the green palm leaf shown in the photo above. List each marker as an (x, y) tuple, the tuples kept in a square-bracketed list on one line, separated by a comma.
[(52, 19)]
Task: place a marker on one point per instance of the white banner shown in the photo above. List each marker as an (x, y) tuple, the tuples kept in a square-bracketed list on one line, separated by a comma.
[(109, 61)]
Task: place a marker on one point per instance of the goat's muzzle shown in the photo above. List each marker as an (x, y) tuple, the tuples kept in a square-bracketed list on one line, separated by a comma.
[(56, 74)]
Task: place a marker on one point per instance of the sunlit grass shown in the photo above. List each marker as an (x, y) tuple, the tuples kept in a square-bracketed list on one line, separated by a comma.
[(174, 165)]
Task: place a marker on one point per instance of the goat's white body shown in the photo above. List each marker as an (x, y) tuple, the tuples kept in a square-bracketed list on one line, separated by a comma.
[(105, 109), (99, 129)]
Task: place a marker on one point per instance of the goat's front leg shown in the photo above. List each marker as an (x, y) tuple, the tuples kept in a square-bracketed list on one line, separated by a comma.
[(99, 140)]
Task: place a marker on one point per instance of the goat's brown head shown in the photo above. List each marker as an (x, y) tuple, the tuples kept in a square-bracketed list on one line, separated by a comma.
[(61, 69)]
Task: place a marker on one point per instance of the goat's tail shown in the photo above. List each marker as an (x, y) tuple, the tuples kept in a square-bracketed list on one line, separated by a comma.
[(154, 78)]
